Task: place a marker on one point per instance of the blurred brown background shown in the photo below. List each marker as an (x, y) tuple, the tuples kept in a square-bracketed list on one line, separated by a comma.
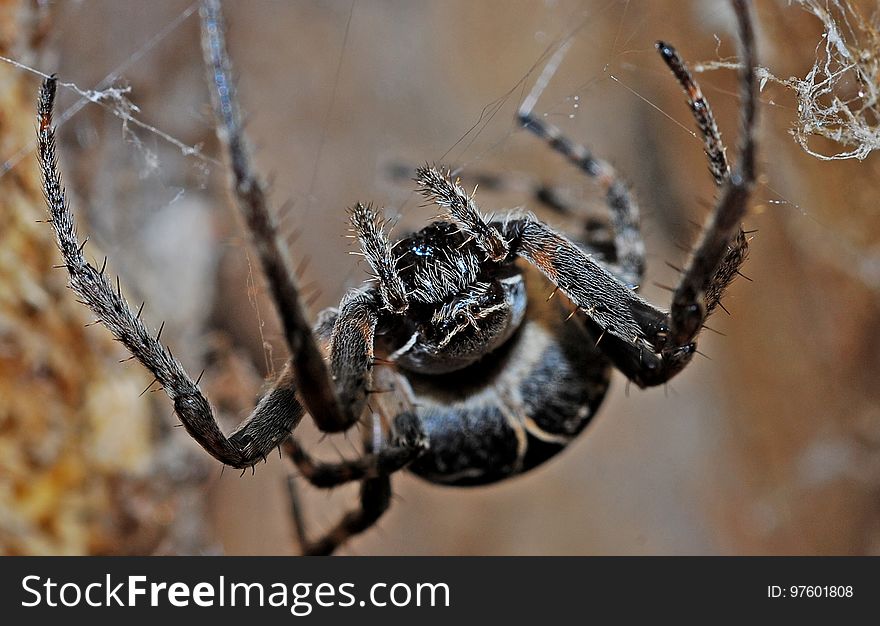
[(770, 446)]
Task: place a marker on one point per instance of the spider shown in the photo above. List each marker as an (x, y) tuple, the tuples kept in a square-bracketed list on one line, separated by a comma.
[(488, 378)]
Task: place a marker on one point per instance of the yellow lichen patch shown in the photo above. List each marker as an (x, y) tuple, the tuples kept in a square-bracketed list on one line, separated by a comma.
[(75, 435), (118, 442)]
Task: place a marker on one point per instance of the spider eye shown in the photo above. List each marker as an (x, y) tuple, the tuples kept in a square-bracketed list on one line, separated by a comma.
[(474, 308), (422, 249), (460, 317)]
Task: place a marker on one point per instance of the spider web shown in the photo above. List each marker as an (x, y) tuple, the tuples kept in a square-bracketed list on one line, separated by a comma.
[(361, 87)]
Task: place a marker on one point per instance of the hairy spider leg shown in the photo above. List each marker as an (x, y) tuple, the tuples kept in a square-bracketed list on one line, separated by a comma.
[(368, 226), (274, 416), (314, 382), (373, 469), (701, 110), (280, 410), (718, 254), (374, 500), (597, 235), (622, 206), (719, 167), (349, 331), (719, 251), (387, 460), (381, 459)]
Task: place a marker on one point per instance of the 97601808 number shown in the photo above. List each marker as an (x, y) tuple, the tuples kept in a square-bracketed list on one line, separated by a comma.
[(810, 591)]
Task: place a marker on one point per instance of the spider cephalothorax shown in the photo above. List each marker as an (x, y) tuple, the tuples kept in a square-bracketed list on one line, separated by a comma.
[(456, 303), (482, 375)]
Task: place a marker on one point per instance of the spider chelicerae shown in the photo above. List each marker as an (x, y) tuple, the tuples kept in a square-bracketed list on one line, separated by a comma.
[(483, 376)]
